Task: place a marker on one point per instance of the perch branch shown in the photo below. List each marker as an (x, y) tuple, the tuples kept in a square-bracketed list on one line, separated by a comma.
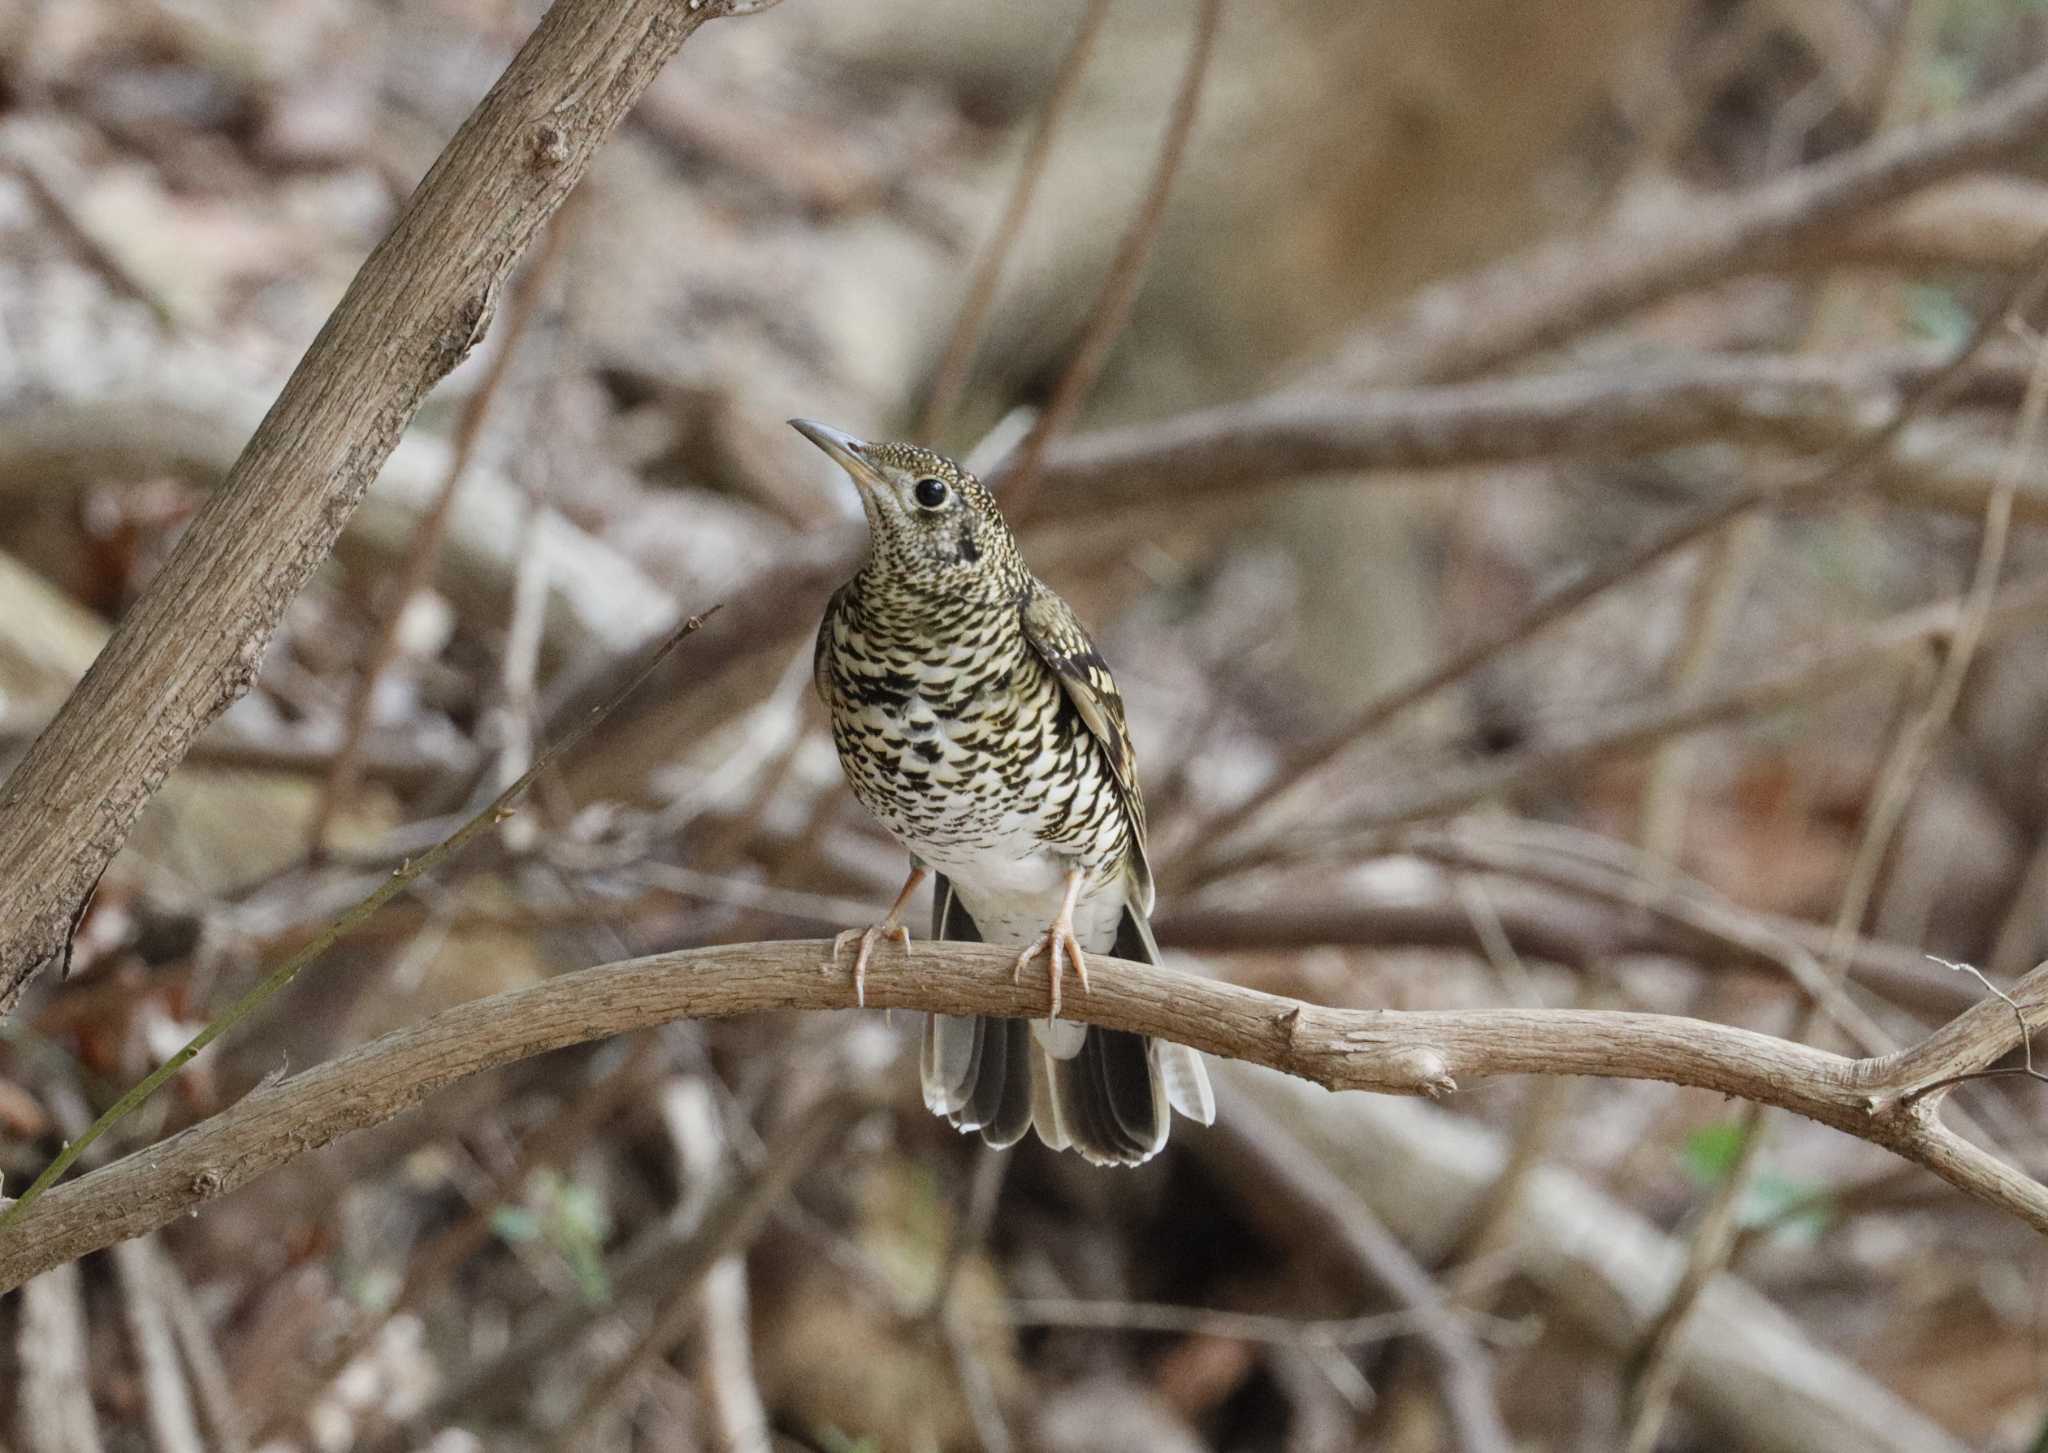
[(1386, 1051), (192, 643)]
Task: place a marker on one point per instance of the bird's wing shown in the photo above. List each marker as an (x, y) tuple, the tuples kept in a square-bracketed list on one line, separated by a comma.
[(821, 671), (1058, 638)]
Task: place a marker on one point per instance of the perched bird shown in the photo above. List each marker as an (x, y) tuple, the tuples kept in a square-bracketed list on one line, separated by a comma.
[(976, 720)]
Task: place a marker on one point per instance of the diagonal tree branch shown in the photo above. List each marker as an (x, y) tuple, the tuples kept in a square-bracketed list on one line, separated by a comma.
[(1890, 645), (1539, 298), (421, 302), (1879, 1099)]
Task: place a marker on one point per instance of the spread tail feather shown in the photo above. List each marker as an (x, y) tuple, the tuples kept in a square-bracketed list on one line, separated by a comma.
[(1106, 1093), (976, 1071)]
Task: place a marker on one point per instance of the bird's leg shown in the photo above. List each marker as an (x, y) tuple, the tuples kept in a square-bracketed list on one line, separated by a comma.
[(874, 933), (1058, 944)]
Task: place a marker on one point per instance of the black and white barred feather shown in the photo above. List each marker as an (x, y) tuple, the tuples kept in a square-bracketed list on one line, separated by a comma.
[(975, 718)]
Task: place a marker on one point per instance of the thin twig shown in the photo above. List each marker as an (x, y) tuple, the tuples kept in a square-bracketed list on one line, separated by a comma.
[(1309, 761), (1897, 780), (55, 1411), (1891, 645), (970, 1231), (676, 1250), (2013, 946), (738, 1419), (403, 759), (1909, 756), (2026, 1041), (416, 571), (397, 883), (730, 1222), (949, 379), (1652, 1370), (54, 196), (977, 1386), (945, 1313), (1596, 1269), (1332, 1211), (1017, 480), (166, 1398), (565, 1133), (1711, 611), (1242, 1326), (210, 1383), (1543, 854), (1732, 557), (192, 643), (514, 718)]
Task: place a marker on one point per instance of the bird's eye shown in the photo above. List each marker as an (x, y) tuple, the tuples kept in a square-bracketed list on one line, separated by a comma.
[(931, 493)]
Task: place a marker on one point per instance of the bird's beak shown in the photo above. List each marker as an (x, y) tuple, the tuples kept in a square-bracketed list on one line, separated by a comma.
[(846, 451)]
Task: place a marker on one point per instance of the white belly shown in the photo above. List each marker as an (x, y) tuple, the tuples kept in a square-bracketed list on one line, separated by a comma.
[(1015, 899)]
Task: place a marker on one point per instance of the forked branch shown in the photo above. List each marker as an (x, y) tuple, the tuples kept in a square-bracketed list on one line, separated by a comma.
[(1885, 1099)]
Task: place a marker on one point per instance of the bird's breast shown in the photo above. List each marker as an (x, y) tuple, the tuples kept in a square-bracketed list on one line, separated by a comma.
[(964, 747)]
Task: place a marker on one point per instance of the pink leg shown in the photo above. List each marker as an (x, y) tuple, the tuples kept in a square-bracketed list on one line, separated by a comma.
[(1058, 944), (874, 934)]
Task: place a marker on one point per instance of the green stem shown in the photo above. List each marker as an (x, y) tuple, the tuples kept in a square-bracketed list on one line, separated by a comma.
[(401, 878)]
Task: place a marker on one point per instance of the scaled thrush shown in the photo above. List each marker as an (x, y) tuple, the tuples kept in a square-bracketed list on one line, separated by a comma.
[(977, 721)]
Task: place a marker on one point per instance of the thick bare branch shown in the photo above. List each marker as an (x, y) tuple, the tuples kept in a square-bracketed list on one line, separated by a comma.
[(1615, 411), (1535, 300), (1789, 402), (425, 296), (1386, 1051), (1985, 222)]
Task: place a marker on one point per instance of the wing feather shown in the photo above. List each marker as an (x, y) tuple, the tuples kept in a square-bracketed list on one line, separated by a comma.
[(1058, 637), (821, 666)]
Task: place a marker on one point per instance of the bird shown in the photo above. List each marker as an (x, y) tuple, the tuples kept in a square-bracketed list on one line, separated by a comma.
[(976, 721)]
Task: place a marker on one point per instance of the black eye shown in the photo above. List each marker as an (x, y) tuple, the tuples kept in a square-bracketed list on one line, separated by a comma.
[(931, 493)]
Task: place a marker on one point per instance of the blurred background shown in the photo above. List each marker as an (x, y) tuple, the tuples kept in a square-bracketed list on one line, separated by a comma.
[(1453, 307)]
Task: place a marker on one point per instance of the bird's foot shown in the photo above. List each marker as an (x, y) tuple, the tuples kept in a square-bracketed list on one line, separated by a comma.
[(1058, 944), (868, 937)]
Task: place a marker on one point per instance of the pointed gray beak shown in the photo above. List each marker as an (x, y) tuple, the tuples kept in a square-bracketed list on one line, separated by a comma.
[(846, 451)]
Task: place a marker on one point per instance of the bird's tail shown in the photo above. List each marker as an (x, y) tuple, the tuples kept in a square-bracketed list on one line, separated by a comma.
[(1107, 1093)]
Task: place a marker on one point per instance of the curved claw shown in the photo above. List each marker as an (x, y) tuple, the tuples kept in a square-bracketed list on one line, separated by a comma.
[(871, 935), (839, 942), (1059, 945)]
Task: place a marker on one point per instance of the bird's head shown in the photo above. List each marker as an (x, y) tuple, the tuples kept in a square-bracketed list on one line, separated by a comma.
[(930, 522)]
